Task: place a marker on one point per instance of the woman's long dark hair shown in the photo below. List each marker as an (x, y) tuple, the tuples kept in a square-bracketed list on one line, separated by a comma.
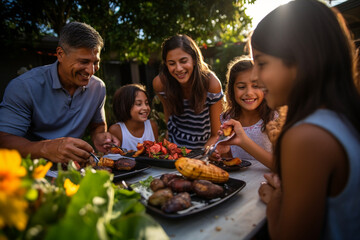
[(309, 35), (231, 107), (199, 79)]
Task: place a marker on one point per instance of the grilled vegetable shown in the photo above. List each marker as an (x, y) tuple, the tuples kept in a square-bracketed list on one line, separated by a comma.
[(140, 150), (227, 131), (160, 197), (232, 161), (180, 185), (167, 177), (180, 202), (207, 189), (197, 169), (157, 184)]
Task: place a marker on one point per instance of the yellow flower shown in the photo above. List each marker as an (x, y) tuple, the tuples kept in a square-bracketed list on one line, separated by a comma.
[(10, 170), (13, 211), (70, 187), (41, 170)]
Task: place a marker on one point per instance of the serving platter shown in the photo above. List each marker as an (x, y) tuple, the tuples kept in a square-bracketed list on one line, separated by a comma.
[(164, 163), (139, 167), (231, 187)]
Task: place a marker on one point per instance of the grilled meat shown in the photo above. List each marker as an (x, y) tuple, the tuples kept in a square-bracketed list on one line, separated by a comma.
[(116, 150), (160, 197), (180, 202), (166, 178), (124, 164), (106, 162), (157, 184), (207, 189), (180, 185)]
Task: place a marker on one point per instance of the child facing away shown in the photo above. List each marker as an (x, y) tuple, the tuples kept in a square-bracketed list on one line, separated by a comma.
[(245, 103), (131, 108), (314, 191), (190, 94)]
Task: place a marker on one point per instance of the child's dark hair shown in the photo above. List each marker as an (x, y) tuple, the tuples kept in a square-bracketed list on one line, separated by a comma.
[(314, 38), (231, 108), (199, 79), (124, 99)]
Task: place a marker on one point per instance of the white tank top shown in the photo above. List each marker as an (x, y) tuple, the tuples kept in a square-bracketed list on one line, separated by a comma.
[(130, 142)]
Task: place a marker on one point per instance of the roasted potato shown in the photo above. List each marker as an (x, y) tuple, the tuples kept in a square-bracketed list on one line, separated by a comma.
[(160, 197), (207, 189), (157, 184), (180, 202)]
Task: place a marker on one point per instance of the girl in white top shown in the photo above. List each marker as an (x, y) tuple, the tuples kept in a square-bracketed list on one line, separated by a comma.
[(131, 108), (245, 103)]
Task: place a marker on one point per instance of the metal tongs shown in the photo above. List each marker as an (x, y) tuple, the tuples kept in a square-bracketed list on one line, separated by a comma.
[(210, 149), (122, 149), (126, 186), (96, 159)]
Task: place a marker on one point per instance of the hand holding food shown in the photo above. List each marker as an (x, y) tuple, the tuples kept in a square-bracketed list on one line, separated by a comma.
[(240, 134), (227, 130)]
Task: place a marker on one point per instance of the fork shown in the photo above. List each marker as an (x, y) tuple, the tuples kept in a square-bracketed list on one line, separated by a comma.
[(210, 149), (96, 159)]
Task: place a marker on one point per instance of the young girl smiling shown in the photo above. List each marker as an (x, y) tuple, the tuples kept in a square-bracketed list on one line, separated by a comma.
[(245, 103), (305, 59), (131, 108)]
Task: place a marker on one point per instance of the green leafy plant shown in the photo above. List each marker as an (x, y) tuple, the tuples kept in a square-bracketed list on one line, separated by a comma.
[(71, 206)]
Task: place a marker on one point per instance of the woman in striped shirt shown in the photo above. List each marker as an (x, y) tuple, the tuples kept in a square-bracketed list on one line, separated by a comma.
[(190, 93)]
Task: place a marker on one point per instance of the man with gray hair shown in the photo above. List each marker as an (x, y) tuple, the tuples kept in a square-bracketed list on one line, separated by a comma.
[(46, 111)]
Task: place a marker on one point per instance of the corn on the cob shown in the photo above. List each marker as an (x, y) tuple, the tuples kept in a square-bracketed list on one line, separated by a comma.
[(197, 169)]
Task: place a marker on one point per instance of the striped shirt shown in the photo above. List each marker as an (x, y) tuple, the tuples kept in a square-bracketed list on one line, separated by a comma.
[(190, 129)]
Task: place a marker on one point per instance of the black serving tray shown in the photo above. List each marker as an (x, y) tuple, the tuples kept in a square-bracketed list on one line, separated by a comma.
[(243, 164), (139, 167), (165, 163), (232, 187)]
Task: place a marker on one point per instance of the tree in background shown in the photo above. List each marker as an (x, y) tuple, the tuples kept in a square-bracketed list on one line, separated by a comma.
[(131, 29)]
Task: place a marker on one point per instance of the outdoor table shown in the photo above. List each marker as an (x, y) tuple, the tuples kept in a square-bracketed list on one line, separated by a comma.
[(240, 217)]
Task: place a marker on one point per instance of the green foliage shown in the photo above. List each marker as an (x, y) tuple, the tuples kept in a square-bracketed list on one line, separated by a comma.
[(146, 183), (223, 55), (98, 210), (104, 212), (131, 29)]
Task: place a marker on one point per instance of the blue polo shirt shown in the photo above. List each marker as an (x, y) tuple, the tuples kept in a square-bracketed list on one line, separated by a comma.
[(37, 107)]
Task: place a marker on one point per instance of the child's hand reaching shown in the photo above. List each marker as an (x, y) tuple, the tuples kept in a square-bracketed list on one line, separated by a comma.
[(240, 134)]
